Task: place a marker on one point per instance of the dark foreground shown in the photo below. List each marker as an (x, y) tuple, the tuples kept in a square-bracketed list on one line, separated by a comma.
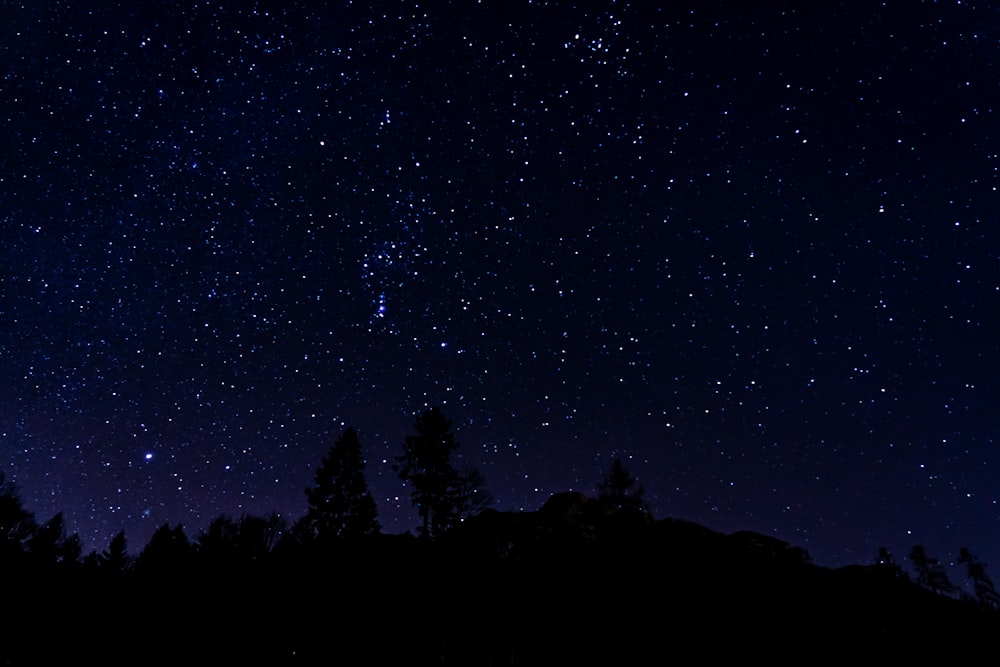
[(505, 590)]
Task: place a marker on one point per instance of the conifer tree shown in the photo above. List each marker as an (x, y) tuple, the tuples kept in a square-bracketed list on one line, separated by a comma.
[(219, 543), (17, 525), (930, 572), (50, 544), (341, 506), (168, 550), (886, 563), (442, 495), (982, 585), (116, 559), (250, 538), (616, 491)]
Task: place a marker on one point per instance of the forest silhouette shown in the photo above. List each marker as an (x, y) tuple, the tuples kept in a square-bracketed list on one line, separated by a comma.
[(584, 579)]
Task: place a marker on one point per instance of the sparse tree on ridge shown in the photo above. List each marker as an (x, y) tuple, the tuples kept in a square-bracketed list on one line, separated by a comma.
[(616, 491), (930, 572), (982, 585), (341, 506), (886, 563)]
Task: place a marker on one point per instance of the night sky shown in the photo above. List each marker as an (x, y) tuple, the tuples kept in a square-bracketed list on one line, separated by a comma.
[(751, 248)]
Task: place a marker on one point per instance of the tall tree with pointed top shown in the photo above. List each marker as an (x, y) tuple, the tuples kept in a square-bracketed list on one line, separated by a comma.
[(17, 525), (426, 464), (442, 495), (618, 490), (116, 558), (340, 505)]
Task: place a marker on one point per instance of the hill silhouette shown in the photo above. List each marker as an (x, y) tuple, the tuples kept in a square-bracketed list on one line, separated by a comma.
[(575, 582)]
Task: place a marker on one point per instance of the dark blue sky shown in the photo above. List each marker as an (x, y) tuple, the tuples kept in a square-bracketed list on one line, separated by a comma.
[(750, 248)]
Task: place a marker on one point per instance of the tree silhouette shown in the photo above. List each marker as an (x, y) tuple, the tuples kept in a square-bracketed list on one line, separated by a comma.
[(17, 524), (50, 544), (930, 572), (226, 541), (982, 585), (116, 559), (341, 506), (426, 464), (616, 492), (441, 494), (886, 563), (168, 550), (259, 535), (470, 494), (218, 543)]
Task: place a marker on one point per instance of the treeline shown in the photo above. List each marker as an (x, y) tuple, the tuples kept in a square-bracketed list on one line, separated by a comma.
[(341, 511), (931, 574), (585, 579)]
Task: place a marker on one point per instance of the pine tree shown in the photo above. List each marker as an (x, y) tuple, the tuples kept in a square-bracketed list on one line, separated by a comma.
[(986, 594), (259, 535), (426, 464), (17, 525), (218, 544), (116, 559), (887, 564), (50, 544), (442, 495), (930, 572), (340, 505), (227, 541), (616, 491), (168, 550)]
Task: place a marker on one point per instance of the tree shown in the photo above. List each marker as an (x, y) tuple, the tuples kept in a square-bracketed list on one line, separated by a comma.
[(443, 496), (340, 505), (887, 564), (616, 491), (168, 550), (259, 535), (930, 572), (116, 558), (470, 494), (50, 544), (218, 544), (982, 585), (17, 524), (426, 464), (251, 538)]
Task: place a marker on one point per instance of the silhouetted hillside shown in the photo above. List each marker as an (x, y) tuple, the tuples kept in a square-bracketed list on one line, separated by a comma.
[(572, 583)]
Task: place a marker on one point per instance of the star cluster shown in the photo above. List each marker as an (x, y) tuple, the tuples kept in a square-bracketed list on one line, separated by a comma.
[(749, 248)]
